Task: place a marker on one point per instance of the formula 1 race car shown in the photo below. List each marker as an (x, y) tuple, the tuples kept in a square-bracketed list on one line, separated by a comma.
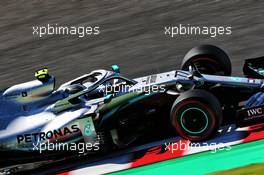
[(106, 110)]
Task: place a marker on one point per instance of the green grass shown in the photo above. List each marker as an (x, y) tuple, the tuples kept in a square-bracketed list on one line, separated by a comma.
[(253, 169)]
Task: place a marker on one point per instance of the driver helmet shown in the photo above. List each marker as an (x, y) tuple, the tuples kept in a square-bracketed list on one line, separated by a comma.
[(42, 74)]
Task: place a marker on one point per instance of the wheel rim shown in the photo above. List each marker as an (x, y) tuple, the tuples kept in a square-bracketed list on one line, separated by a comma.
[(194, 120), (208, 66)]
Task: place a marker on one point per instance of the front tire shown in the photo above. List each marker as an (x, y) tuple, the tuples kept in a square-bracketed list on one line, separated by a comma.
[(208, 59), (196, 115)]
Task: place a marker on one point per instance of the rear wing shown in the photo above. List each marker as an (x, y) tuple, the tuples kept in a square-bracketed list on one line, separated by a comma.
[(254, 67)]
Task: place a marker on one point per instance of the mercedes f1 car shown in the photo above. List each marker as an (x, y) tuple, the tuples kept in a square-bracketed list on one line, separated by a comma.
[(107, 110)]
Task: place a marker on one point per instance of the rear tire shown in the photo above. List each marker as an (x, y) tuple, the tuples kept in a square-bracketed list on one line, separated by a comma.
[(208, 59), (196, 115)]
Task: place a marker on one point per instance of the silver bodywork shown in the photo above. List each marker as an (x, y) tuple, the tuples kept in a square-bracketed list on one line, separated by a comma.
[(33, 107), (29, 108)]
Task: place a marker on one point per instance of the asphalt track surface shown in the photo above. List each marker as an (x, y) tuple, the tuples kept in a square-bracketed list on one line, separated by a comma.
[(131, 35)]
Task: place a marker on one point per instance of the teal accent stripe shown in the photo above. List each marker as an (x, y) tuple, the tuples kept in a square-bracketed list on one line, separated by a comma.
[(198, 132)]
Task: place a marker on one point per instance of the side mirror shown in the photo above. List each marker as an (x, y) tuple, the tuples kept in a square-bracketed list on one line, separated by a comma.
[(191, 70), (194, 72), (115, 68), (108, 98)]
